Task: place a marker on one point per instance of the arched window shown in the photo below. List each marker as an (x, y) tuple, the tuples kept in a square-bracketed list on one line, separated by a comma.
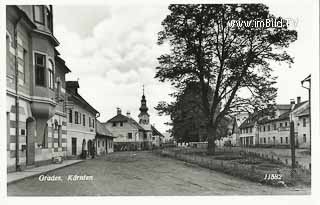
[(51, 74)]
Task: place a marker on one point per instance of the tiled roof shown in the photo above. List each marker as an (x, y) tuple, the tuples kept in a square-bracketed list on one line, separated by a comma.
[(304, 111), (250, 121), (156, 132), (119, 118), (283, 106), (296, 106), (122, 118), (102, 130), (73, 84)]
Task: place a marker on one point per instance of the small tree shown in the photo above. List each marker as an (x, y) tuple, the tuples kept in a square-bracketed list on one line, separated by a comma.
[(206, 47)]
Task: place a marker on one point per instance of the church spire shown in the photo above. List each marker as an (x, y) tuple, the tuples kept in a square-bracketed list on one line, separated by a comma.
[(143, 116)]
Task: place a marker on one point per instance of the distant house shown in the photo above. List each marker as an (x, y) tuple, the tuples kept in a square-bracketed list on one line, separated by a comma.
[(128, 133), (131, 135), (104, 139)]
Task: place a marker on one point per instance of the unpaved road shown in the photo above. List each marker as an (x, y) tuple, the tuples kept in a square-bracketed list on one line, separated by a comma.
[(143, 173)]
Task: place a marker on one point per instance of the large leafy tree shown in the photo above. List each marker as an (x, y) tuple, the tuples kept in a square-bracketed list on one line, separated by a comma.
[(232, 60), (186, 113)]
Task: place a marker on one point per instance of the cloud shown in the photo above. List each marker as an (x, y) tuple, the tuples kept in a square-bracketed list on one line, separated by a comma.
[(116, 58)]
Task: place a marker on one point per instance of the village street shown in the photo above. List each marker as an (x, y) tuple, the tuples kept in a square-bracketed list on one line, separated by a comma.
[(142, 173)]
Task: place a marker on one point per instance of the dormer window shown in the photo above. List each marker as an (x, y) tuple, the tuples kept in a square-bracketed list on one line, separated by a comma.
[(38, 14)]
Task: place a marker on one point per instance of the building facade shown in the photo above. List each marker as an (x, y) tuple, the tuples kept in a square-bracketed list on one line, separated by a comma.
[(81, 123), (266, 131), (35, 74), (104, 140)]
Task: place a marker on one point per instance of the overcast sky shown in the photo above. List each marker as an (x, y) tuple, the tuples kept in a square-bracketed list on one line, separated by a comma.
[(112, 50)]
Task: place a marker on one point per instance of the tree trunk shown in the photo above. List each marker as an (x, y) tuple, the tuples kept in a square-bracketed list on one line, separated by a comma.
[(211, 131)]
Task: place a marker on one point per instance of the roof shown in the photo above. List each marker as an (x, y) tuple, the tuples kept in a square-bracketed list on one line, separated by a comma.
[(250, 121), (72, 84), (122, 118), (60, 60), (304, 112), (102, 130), (283, 106), (119, 118), (77, 97), (156, 132), (296, 106)]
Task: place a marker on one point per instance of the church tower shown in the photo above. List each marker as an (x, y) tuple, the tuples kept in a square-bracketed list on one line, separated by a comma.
[(144, 116)]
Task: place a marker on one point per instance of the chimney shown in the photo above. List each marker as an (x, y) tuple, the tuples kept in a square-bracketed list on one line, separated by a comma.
[(298, 99), (292, 101), (128, 114), (118, 111)]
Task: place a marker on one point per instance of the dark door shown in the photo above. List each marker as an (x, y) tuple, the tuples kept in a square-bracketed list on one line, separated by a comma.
[(74, 146), (30, 152)]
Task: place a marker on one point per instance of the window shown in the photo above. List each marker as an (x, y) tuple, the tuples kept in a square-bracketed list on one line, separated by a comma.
[(50, 70), (84, 120), (280, 124), (274, 126), (89, 121), (250, 129), (129, 135), (76, 117), (93, 123), (98, 143), (102, 143), (49, 19), (144, 136), (286, 140), (153, 138), (304, 138), (70, 116), (114, 124), (304, 122), (281, 140), (121, 124), (264, 140), (268, 127), (79, 118), (38, 14), (264, 128), (40, 63), (285, 124)]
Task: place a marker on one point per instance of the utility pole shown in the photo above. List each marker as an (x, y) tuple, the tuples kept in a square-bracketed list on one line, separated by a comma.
[(292, 145), (18, 168)]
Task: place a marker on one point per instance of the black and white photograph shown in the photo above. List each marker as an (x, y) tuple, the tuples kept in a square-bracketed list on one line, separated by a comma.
[(160, 99)]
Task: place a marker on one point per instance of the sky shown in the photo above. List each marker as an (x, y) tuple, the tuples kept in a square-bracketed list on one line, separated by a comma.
[(112, 51)]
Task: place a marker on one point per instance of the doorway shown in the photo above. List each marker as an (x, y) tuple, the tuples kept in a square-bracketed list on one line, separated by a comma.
[(74, 146)]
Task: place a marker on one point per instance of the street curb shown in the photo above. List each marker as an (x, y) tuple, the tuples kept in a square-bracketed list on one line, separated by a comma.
[(44, 172)]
